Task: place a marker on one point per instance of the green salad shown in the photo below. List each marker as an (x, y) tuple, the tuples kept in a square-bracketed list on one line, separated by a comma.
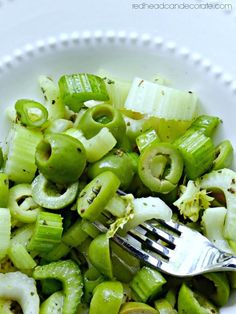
[(100, 148)]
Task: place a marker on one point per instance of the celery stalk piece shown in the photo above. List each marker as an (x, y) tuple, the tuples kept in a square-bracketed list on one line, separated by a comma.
[(68, 272), (213, 220), (22, 235), (97, 146), (60, 250), (223, 155), (47, 232), (21, 288), (172, 110), (75, 235), (89, 228), (225, 180), (198, 152), (146, 208), (128, 215), (21, 204), (146, 284), (75, 89), (147, 138), (4, 189), (117, 88), (161, 101), (21, 145), (59, 126), (53, 103), (46, 194), (5, 231), (53, 304), (206, 124), (20, 257)]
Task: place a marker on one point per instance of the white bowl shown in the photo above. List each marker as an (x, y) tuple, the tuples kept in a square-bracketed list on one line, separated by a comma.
[(125, 55)]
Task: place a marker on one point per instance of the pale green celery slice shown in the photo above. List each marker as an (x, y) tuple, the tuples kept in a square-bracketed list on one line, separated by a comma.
[(97, 146), (53, 103), (146, 208), (117, 88), (225, 180), (213, 221), (161, 101), (20, 257), (21, 288), (20, 149), (121, 222), (53, 304), (117, 205), (5, 231)]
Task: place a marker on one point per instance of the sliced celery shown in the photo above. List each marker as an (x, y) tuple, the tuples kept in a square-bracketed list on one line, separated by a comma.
[(198, 152), (146, 284), (59, 126), (58, 251), (21, 204), (68, 272), (5, 231), (75, 89), (147, 138), (223, 155), (53, 304), (161, 101), (225, 180), (92, 278), (20, 257), (75, 235), (213, 220), (206, 124), (21, 145), (89, 228), (4, 189), (53, 103), (146, 208), (17, 286), (47, 232), (97, 146), (47, 194), (117, 88), (22, 235)]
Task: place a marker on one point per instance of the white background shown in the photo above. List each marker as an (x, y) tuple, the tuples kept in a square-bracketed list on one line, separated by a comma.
[(209, 32)]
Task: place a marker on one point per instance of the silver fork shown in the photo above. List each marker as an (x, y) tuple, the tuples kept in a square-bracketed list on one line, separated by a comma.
[(173, 248)]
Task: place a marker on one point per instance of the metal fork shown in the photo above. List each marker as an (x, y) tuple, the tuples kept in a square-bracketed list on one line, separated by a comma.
[(173, 248)]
